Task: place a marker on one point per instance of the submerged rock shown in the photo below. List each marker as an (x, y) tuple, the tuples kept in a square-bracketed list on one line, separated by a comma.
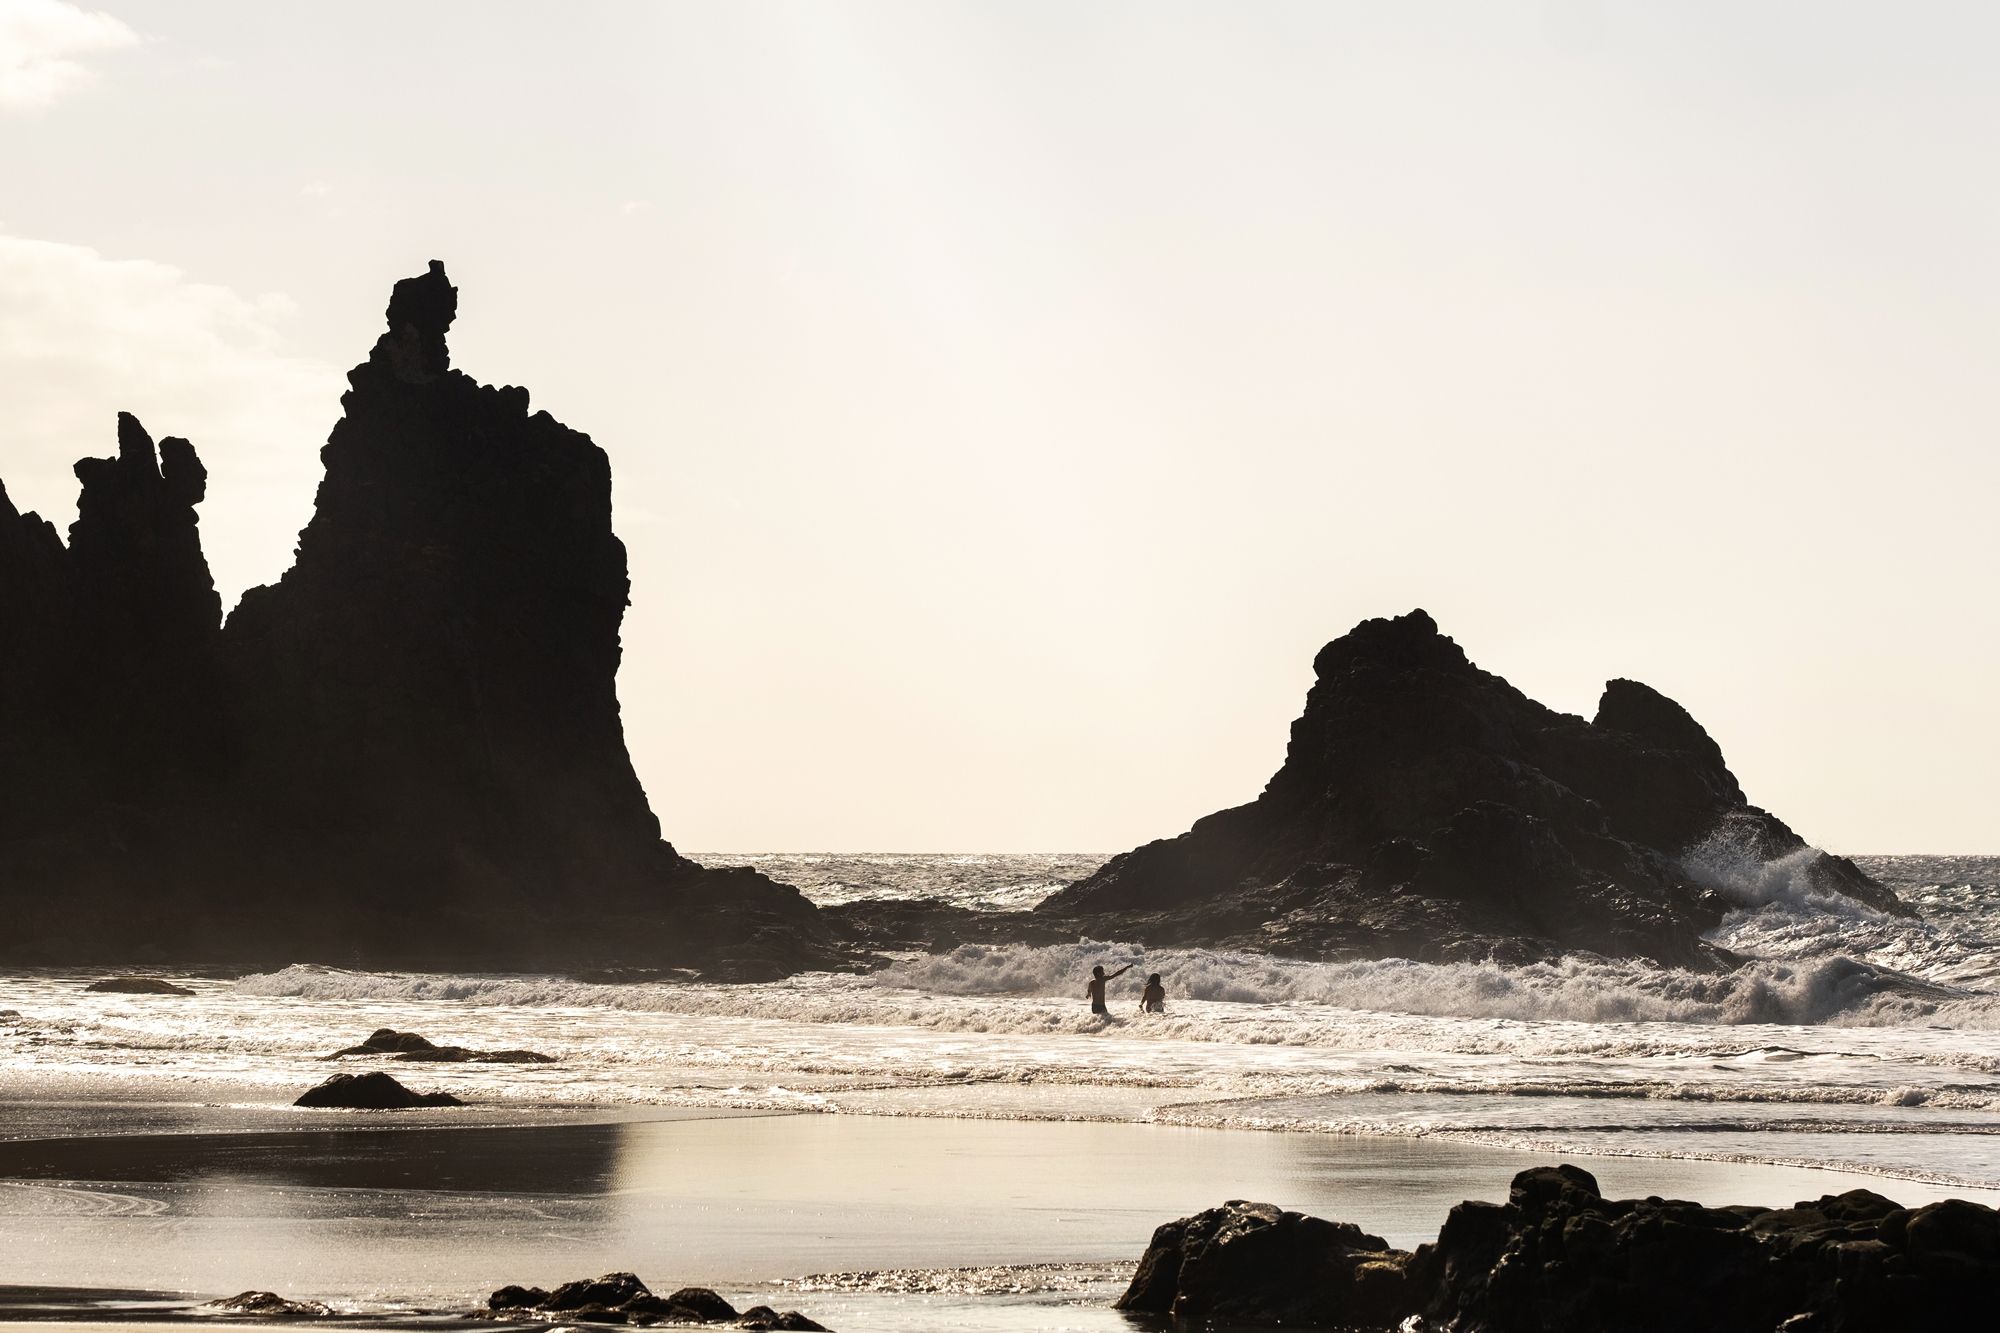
[(465, 1055), (411, 1047), (1558, 1254), (1429, 809), (386, 1041), (137, 986), (373, 1091)]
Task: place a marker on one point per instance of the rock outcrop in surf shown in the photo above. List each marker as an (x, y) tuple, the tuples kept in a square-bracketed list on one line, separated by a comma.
[(407, 749), (621, 1298), (1429, 809)]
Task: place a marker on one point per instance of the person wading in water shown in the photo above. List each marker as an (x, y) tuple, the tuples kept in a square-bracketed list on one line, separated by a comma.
[(1094, 988), (1153, 1000)]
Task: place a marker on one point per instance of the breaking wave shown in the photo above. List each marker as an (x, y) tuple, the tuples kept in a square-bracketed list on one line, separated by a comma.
[(1727, 863), (1572, 989), (1851, 1037), (1280, 1000)]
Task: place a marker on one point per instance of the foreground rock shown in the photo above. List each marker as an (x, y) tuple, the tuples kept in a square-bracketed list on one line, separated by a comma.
[(621, 1298), (1557, 1255), (411, 1047), (137, 986), (407, 750), (1251, 1261), (374, 1091), (265, 1305), (1429, 809)]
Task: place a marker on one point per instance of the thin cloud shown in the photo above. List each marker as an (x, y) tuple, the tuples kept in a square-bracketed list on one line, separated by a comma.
[(83, 337), (40, 45)]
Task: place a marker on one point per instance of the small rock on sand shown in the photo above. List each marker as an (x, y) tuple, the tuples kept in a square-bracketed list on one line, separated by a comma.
[(265, 1305), (373, 1091)]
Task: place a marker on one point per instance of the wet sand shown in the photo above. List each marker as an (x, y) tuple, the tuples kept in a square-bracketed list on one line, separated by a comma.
[(384, 1216)]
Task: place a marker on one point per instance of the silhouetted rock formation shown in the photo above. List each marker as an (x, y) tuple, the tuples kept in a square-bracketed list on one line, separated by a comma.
[(373, 1091), (110, 691), (407, 749), (1559, 1255), (1430, 809)]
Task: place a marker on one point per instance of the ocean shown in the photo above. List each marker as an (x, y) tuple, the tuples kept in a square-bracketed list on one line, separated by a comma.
[(954, 1141), (1852, 1039)]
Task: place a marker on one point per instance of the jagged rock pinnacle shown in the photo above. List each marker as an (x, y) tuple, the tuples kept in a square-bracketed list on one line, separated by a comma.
[(421, 310), (1406, 641)]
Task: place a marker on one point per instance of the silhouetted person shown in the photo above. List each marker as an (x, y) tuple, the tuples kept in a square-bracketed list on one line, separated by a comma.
[(1094, 988), (1154, 999)]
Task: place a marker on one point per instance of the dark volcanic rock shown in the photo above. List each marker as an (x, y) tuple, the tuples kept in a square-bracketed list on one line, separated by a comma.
[(1429, 808), (374, 1091), (266, 1305), (885, 924), (1254, 1263), (517, 1298), (459, 1055), (609, 1291), (407, 749), (137, 986), (701, 1304), (1558, 1255), (409, 1046), (621, 1298), (791, 1321), (111, 698), (386, 1041)]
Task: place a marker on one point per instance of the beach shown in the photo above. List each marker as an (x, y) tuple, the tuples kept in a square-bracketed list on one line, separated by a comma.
[(952, 1140), (863, 1221)]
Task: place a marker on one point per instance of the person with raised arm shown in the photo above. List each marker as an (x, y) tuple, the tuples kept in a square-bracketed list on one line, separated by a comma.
[(1094, 988)]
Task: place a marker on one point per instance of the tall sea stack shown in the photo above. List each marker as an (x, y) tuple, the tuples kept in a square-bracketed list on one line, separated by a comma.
[(1427, 808), (408, 748)]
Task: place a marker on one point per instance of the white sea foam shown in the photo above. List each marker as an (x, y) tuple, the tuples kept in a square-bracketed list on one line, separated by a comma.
[(1727, 862), (1572, 989)]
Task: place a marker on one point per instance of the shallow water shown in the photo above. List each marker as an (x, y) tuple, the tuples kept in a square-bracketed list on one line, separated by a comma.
[(1875, 1033), (992, 1224)]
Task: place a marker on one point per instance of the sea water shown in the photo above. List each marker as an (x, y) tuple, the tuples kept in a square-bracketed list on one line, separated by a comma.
[(1850, 1039), (976, 1150)]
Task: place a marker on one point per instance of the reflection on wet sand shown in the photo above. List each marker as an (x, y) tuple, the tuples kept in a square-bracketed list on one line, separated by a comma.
[(443, 1215)]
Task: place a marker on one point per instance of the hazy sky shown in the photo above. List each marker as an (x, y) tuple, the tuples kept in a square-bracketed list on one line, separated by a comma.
[(1006, 400)]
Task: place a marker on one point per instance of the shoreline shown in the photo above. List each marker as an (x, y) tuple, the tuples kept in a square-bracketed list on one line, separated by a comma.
[(134, 1104), (724, 1199)]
